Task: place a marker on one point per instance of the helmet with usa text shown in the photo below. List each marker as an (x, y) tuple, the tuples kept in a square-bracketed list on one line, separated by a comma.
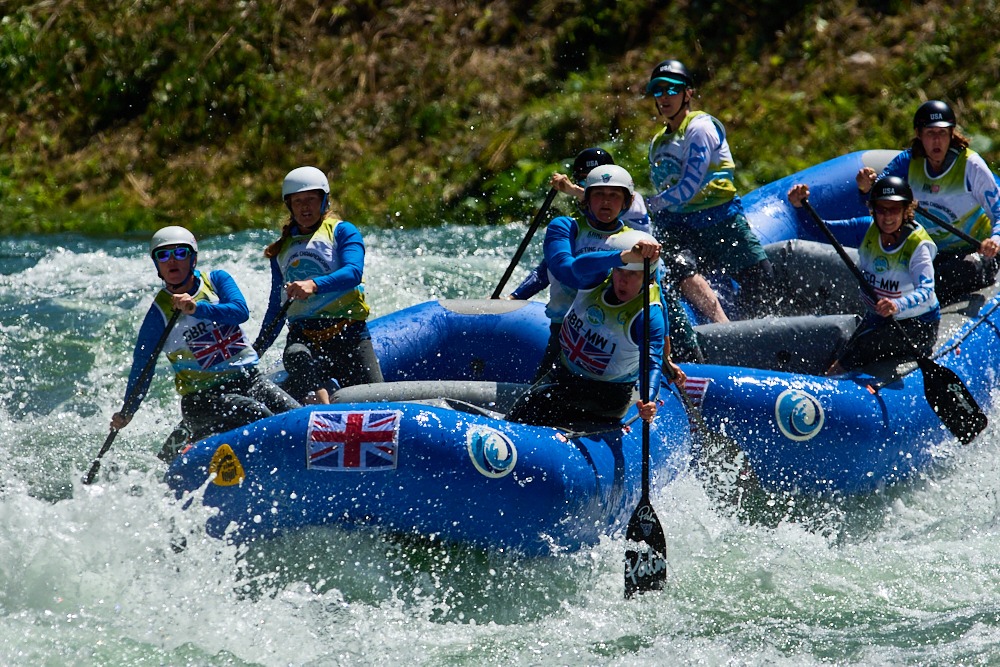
[(669, 73), (891, 188), (626, 240), (589, 158), (933, 113)]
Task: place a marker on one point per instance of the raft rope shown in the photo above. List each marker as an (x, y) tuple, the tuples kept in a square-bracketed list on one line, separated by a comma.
[(965, 335)]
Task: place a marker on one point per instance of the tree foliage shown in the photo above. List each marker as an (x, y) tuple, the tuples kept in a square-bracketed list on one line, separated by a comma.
[(123, 115)]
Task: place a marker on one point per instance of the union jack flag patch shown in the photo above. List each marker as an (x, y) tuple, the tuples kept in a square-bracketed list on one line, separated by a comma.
[(582, 352), (354, 440), (218, 345)]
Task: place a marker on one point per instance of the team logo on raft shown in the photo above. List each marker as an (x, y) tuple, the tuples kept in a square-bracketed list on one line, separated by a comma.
[(492, 452), (799, 414)]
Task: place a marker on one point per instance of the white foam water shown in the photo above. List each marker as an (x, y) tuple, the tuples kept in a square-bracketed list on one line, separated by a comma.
[(122, 573)]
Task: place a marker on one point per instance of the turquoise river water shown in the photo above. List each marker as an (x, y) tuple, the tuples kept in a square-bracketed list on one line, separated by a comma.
[(907, 576)]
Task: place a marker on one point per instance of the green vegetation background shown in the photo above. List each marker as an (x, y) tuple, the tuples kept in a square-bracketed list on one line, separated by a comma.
[(120, 116)]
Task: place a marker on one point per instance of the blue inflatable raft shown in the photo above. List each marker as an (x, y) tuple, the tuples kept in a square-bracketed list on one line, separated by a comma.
[(428, 452)]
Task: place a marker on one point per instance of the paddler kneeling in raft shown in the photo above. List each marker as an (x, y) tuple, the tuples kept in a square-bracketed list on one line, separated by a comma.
[(896, 256), (601, 340)]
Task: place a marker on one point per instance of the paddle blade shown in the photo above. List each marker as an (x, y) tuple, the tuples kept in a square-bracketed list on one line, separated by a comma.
[(646, 563), (951, 401)]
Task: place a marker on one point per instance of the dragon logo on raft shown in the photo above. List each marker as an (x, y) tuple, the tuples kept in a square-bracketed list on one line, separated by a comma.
[(799, 414), (492, 452)]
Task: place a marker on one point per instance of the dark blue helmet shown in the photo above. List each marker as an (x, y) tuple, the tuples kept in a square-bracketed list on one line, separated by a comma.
[(587, 160), (891, 188), (933, 113)]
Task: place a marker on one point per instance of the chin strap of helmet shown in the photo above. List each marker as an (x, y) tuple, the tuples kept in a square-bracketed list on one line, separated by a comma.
[(597, 222), (686, 105)]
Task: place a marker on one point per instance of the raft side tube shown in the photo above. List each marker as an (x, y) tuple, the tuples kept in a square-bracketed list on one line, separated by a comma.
[(497, 340), (498, 397), (805, 344)]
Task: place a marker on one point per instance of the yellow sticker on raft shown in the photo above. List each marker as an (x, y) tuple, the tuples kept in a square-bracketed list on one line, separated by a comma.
[(226, 467)]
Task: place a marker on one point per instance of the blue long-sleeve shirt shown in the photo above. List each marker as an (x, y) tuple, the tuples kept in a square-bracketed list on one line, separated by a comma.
[(231, 309), (351, 261), (538, 279), (849, 231)]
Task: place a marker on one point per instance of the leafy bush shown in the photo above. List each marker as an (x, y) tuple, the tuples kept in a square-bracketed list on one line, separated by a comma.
[(123, 115)]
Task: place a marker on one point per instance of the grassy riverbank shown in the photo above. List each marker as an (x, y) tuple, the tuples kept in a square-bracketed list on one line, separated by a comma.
[(121, 116)]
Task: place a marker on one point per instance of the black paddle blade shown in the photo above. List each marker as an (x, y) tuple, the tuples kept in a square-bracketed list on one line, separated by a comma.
[(951, 401), (645, 568)]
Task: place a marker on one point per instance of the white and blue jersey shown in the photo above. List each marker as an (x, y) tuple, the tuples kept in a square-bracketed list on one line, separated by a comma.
[(693, 171), (904, 274), (333, 257), (204, 348), (601, 340), (965, 195)]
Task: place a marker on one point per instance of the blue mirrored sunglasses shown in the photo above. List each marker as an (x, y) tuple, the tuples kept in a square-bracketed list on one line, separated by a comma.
[(667, 90), (181, 252)]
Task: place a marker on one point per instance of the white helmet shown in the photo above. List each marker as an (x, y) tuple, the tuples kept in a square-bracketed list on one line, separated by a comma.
[(172, 235), (610, 175), (626, 240), (304, 179)]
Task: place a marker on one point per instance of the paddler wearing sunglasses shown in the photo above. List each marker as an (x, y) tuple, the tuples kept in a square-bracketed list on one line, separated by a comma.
[(696, 206), (214, 364)]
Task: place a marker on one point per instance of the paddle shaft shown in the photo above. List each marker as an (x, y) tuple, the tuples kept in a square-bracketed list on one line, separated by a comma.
[(865, 287), (269, 329), (539, 216), (645, 570), (644, 378), (948, 226), (147, 370)]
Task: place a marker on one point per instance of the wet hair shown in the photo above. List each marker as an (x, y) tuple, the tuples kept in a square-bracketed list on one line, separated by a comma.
[(958, 141)]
